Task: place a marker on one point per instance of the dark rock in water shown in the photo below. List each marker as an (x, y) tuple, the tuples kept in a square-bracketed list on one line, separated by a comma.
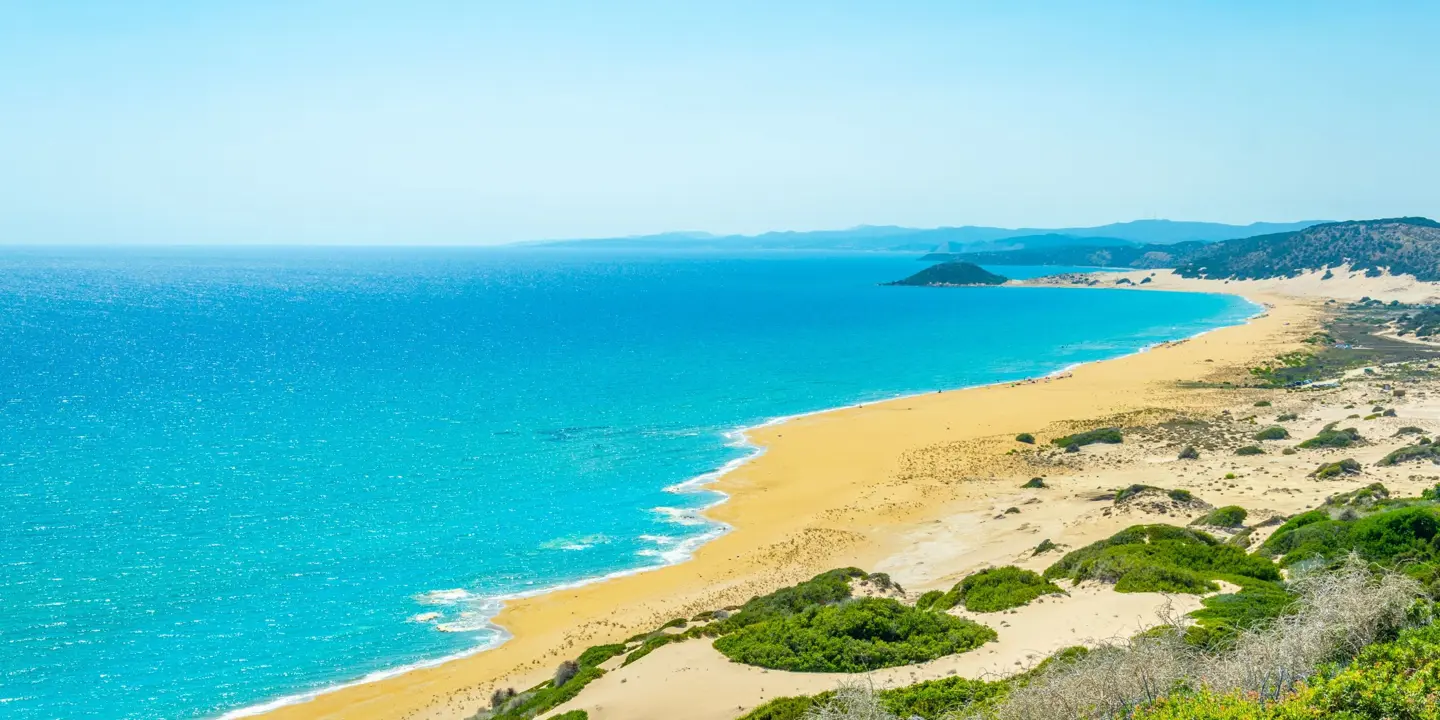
[(952, 274)]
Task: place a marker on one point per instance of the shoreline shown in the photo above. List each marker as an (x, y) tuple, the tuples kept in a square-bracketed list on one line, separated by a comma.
[(337, 701)]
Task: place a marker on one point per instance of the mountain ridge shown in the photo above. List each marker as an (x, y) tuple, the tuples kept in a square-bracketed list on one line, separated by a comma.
[(955, 239)]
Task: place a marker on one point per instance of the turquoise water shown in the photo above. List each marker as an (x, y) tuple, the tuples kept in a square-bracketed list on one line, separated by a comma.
[(234, 476)]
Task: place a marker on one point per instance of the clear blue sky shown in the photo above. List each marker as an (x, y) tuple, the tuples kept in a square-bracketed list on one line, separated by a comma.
[(477, 122)]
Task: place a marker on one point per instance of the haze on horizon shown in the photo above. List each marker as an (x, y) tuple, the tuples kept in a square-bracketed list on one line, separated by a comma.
[(476, 123)]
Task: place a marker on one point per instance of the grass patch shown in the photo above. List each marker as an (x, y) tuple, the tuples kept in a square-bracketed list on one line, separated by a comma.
[(929, 700), (865, 634), (1249, 450)]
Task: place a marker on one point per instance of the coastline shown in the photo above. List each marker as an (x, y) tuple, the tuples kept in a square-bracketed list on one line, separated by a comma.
[(762, 548)]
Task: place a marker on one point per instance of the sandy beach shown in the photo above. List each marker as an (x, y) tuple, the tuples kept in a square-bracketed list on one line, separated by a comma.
[(915, 487)]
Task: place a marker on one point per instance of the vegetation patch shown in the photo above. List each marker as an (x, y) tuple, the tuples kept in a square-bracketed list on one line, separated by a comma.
[(1034, 483), (856, 636), (1249, 450), (1161, 558), (1339, 468), (1026, 438), (1274, 432), (1230, 516), (929, 700), (1425, 451), (542, 697), (1189, 453), (1332, 438), (996, 589), (1108, 435)]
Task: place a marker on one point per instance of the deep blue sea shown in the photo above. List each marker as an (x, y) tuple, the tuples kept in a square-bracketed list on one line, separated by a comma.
[(231, 476)]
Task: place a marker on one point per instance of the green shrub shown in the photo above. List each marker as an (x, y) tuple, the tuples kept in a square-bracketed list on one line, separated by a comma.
[(1230, 516), (864, 634), (1089, 437), (1034, 483), (1044, 547), (1286, 417), (1409, 430), (1250, 450), (676, 623), (927, 600), (1161, 558), (572, 715), (1026, 438), (1427, 451), (789, 708), (1332, 438), (1002, 588), (1189, 453), (546, 696), (828, 587), (1262, 403), (651, 644), (598, 654), (1347, 466), (1396, 532), (1274, 432)]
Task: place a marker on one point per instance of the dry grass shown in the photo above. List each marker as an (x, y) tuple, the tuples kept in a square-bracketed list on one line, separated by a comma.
[(1337, 614), (852, 701)]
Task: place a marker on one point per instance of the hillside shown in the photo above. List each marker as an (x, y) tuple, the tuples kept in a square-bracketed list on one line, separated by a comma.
[(950, 274), (1404, 246)]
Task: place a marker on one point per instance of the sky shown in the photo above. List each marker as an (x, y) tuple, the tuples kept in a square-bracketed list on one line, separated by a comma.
[(420, 122)]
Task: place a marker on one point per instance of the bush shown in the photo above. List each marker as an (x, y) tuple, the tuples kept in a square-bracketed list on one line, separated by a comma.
[(927, 600), (1341, 467), (828, 587), (1391, 534), (593, 656), (547, 695), (1409, 430), (1286, 417), (1034, 483), (1026, 438), (1332, 438), (1427, 451), (1262, 403), (1044, 547), (1002, 588), (1230, 516), (1250, 450), (1274, 432), (572, 715), (1101, 435), (1161, 558), (865, 634), (1189, 453)]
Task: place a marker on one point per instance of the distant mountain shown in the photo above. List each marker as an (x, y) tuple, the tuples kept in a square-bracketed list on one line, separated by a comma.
[(954, 239), (1408, 246), (951, 274), (1403, 246)]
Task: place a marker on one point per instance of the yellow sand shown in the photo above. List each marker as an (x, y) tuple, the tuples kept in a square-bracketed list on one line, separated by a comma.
[(849, 487)]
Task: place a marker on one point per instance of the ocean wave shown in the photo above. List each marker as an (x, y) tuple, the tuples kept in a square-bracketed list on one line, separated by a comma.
[(573, 543)]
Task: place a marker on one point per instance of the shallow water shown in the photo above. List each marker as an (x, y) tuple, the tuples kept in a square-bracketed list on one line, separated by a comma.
[(231, 476)]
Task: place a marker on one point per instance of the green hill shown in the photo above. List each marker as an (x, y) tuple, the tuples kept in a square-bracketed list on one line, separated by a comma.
[(949, 274), (1404, 246)]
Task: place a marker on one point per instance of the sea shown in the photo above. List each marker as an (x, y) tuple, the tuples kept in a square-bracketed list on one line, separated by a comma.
[(236, 477)]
